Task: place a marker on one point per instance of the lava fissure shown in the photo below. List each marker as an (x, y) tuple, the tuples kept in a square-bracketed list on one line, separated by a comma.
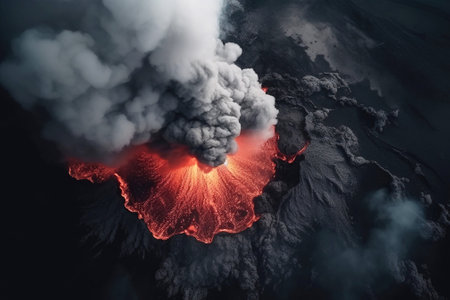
[(290, 158)]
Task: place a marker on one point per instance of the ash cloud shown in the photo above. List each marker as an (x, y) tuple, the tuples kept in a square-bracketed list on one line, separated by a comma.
[(136, 69)]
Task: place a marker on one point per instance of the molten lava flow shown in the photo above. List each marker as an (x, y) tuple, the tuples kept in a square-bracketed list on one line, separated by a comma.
[(91, 171), (184, 196)]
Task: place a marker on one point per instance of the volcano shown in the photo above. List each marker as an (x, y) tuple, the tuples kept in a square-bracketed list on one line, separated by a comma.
[(176, 194)]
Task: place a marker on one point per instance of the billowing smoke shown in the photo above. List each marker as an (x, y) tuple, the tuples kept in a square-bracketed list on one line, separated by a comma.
[(135, 69)]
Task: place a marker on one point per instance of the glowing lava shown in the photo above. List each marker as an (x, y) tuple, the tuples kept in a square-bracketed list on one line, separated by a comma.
[(290, 158), (184, 196)]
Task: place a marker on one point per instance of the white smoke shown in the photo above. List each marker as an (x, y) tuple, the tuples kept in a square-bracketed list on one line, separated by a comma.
[(140, 68)]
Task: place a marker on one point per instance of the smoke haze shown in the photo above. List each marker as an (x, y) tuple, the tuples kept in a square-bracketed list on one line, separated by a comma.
[(378, 261)]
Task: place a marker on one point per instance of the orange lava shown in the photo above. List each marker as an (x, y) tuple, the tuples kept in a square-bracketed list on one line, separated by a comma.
[(93, 172), (176, 194)]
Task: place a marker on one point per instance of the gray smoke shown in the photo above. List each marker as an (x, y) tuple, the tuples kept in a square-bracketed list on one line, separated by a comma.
[(135, 69)]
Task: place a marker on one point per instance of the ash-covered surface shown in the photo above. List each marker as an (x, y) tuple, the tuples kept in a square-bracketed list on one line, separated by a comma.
[(362, 214)]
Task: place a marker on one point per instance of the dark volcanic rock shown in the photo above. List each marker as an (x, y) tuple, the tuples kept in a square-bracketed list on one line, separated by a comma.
[(319, 223)]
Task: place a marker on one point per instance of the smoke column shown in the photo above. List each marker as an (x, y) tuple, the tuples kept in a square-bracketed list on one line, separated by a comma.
[(136, 70)]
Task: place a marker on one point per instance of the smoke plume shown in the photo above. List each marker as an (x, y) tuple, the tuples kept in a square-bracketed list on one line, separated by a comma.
[(138, 69)]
